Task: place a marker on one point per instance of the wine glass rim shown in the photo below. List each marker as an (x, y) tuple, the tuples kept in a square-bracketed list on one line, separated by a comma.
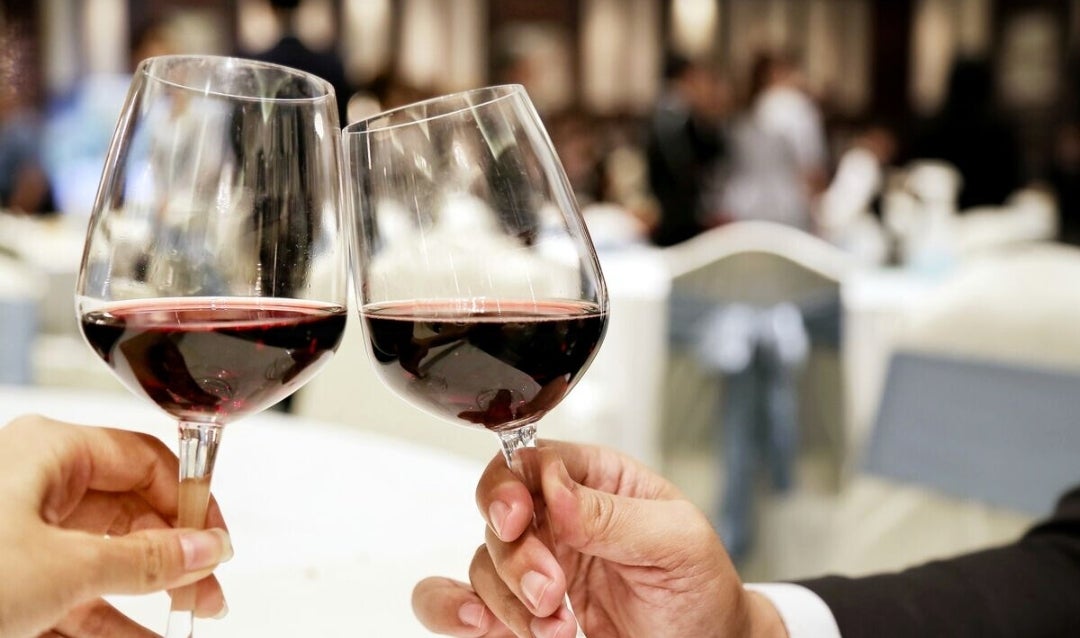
[(147, 64), (497, 93)]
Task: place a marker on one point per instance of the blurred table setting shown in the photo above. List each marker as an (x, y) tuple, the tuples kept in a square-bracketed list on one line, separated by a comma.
[(332, 526), (51, 246), (39, 262)]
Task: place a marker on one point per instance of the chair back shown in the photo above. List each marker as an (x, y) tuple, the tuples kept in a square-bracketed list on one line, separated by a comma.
[(980, 399), (1004, 434), (759, 264)]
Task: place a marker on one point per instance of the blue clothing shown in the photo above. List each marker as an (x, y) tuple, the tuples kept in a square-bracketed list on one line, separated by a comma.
[(20, 141)]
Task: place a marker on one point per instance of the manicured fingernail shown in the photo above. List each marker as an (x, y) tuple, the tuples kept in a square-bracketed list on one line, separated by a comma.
[(497, 514), (205, 548), (549, 627), (224, 611), (533, 585), (561, 623), (471, 614)]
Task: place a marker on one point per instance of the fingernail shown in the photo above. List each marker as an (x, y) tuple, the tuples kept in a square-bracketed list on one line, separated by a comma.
[(205, 548), (533, 585), (497, 514), (224, 611), (547, 627), (472, 614)]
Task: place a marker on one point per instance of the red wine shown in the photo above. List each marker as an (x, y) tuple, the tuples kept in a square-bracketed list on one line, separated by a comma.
[(496, 365), (214, 359)]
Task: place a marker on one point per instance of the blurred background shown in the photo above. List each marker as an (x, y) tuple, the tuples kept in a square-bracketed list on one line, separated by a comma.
[(838, 235)]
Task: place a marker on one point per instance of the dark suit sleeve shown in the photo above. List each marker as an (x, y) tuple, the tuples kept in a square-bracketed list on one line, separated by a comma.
[(1029, 589)]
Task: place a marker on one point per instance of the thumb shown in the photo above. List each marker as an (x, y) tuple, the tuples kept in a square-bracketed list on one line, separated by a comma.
[(624, 530), (149, 560)]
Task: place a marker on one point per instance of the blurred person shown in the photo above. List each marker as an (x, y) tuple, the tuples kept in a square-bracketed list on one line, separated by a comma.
[(291, 51), (577, 140), (1065, 179), (683, 141), (79, 127), (846, 213), (778, 154), (971, 133), (639, 560), (24, 186), (88, 512), (773, 167)]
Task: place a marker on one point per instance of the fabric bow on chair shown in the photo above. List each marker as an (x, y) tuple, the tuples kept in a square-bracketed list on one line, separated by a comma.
[(753, 304), (758, 352)]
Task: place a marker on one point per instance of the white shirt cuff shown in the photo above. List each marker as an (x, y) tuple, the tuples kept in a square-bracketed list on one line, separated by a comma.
[(804, 613)]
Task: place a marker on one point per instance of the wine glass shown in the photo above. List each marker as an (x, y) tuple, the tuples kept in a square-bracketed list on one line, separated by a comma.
[(213, 280), (481, 295)]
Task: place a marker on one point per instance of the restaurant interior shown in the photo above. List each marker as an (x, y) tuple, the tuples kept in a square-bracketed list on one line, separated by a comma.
[(853, 350)]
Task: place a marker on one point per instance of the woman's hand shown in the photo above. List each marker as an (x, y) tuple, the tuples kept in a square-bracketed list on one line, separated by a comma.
[(638, 559), (86, 512)]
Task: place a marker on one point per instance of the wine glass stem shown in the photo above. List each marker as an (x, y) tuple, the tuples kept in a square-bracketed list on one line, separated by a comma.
[(198, 451), (519, 448)]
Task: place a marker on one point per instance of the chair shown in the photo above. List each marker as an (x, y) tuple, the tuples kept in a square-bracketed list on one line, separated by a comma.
[(757, 265), (975, 435)]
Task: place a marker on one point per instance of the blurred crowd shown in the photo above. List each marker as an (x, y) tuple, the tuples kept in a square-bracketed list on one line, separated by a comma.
[(714, 153), (711, 151)]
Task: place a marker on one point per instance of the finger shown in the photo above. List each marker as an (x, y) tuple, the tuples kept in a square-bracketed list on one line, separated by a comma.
[(99, 619), (610, 471), (499, 599), (452, 608), (503, 500), (117, 514), (109, 460), (628, 531), (113, 514), (142, 562), (214, 517), (116, 461), (507, 506), (528, 568), (210, 599), (120, 514)]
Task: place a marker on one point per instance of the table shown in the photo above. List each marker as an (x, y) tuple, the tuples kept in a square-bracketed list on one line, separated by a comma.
[(876, 304), (52, 247), (332, 526)]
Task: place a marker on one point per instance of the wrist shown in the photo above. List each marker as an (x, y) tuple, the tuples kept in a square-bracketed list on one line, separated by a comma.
[(762, 618)]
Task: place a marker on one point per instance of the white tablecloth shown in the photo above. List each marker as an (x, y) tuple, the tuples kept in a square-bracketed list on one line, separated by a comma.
[(332, 526), (52, 248), (876, 304)]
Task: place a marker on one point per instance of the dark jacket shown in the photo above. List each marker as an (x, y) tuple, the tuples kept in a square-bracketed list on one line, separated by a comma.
[(1030, 589)]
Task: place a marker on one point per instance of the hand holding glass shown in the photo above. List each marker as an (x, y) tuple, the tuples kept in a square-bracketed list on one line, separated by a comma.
[(213, 278), (482, 297)]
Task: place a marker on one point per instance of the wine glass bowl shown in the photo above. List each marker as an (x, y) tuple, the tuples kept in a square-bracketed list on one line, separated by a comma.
[(213, 280), (481, 296)]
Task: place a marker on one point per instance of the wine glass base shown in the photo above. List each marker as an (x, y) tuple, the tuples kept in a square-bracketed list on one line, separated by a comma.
[(181, 624)]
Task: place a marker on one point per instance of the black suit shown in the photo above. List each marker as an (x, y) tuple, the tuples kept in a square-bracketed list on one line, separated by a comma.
[(291, 52), (679, 150), (1029, 589)]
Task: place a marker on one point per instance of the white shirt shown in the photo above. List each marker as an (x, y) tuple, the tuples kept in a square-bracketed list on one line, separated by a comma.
[(804, 613), (789, 113)]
